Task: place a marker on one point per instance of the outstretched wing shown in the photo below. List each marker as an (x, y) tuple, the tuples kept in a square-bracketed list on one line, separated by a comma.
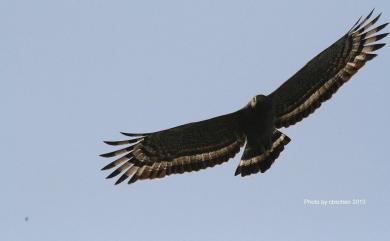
[(321, 77), (185, 148)]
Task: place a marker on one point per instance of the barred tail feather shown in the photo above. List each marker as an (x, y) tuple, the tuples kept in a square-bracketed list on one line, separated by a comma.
[(254, 161)]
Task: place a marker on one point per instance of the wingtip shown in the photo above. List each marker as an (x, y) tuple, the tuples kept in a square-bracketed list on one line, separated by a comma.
[(370, 56), (355, 24), (106, 155), (376, 18), (380, 36), (111, 143), (113, 174), (359, 23), (133, 179), (369, 15), (122, 178), (377, 46), (109, 166), (118, 181), (126, 134), (382, 26), (133, 134)]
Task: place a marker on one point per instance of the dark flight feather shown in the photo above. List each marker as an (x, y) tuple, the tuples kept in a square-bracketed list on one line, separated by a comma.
[(322, 76), (185, 148)]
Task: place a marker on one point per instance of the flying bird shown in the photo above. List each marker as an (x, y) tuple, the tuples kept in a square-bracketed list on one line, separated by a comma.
[(211, 142)]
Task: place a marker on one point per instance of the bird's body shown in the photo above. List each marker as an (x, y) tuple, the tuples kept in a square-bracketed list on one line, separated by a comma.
[(204, 144), (257, 121)]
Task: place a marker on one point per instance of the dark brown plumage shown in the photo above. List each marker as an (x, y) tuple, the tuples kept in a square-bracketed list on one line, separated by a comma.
[(207, 143)]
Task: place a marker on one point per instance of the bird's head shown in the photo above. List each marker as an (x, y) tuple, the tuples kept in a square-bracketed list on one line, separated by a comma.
[(258, 101)]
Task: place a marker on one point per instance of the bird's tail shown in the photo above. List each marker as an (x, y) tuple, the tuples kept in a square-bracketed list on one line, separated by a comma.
[(257, 159)]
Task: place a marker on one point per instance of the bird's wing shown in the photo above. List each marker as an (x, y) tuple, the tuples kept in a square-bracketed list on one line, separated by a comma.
[(185, 148), (322, 76)]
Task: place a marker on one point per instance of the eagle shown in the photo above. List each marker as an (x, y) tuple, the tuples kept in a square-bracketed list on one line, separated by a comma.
[(200, 145)]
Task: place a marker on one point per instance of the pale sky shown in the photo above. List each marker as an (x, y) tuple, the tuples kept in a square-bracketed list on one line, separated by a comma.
[(75, 73)]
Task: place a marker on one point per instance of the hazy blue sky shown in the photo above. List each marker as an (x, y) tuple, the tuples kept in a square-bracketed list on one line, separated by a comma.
[(74, 73)]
